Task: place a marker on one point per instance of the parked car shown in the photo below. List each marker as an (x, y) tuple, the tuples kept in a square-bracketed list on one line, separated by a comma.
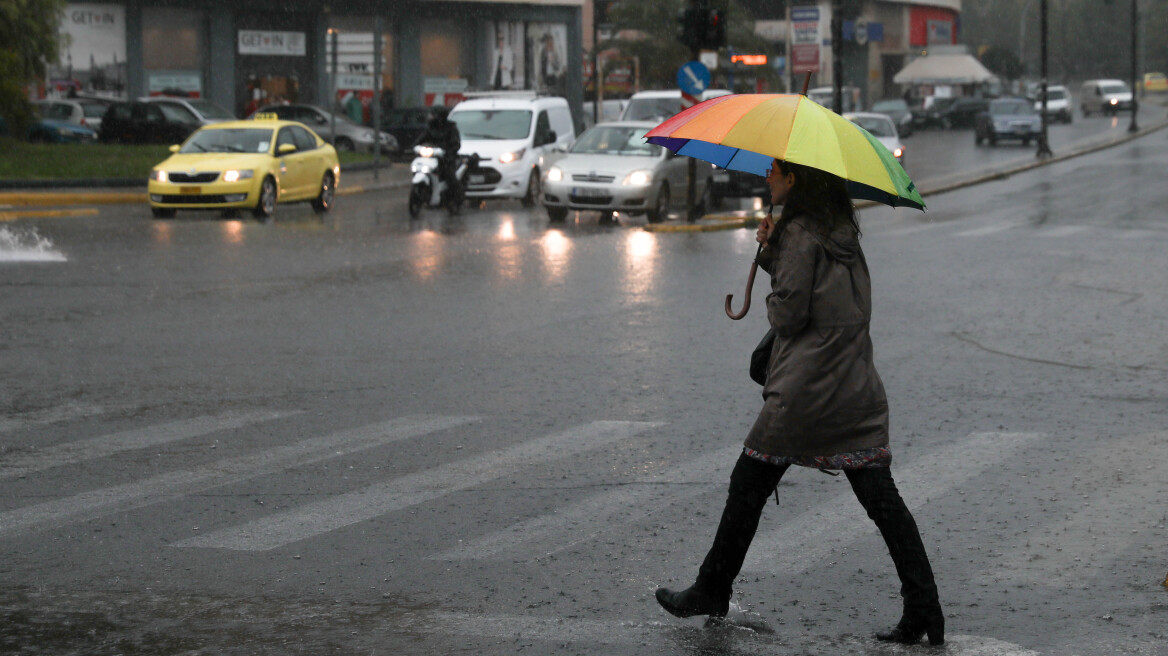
[(46, 129), (205, 111), (1105, 97), (147, 122), (611, 168), (660, 105), (1155, 82), (850, 97), (406, 124), (253, 164), (1058, 104), (1008, 118), (349, 136), (513, 136), (881, 127), (736, 184), (961, 113), (77, 112), (898, 110)]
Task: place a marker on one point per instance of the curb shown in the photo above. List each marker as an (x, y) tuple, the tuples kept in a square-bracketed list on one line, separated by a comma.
[(732, 221)]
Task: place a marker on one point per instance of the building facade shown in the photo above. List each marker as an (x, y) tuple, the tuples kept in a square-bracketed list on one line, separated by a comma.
[(247, 53)]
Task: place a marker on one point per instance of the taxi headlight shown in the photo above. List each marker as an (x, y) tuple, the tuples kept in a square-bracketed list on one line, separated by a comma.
[(507, 158), (158, 175), (554, 174), (638, 178), (236, 176)]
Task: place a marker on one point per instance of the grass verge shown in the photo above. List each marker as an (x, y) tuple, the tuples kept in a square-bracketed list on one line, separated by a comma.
[(20, 160)]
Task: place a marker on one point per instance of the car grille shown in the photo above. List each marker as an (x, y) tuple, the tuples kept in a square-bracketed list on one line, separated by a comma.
[(592, 177), (488, 175), (189, 199), (203, 176)]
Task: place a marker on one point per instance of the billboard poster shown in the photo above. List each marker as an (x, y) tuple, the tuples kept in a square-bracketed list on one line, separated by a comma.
[(93, 49), (804, 39), (507, 70), (547, 57)]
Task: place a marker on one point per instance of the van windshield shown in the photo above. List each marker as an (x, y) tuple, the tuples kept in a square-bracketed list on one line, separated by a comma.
[(1113, 88), (493, 123), (650, 109)]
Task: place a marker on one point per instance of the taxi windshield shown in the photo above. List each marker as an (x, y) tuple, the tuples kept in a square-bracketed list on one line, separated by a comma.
[(602, 140), (229, 140)]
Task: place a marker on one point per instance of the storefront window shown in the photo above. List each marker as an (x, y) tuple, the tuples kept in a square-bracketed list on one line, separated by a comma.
[(173, 42), (356, 64)]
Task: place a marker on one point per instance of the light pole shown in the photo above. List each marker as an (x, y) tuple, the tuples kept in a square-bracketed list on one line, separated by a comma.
[(1043, 142), (1134, 65)]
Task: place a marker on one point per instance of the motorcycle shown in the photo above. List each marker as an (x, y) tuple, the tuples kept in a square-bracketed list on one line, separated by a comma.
[(428, 189)]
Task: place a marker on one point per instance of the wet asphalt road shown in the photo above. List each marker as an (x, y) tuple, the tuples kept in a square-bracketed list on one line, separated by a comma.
[(486, 434)]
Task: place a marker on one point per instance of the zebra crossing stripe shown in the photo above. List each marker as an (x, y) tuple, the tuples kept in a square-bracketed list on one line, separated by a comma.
[(585, 519), (20, 464), (811, 537), (344, 510), (63, 412), (95, 503)]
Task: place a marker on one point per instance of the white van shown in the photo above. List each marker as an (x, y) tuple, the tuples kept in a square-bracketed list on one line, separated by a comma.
[(511, 135), (660, 105), (1105, 97)]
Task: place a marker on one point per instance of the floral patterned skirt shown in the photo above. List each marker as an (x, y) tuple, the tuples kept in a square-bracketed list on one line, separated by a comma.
[(880, 456)]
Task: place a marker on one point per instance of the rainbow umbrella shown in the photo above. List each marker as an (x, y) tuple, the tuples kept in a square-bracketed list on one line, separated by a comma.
[(745, 132)]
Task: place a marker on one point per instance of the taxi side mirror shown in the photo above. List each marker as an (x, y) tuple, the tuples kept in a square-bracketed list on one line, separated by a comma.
[(174, 148), (284, 149)]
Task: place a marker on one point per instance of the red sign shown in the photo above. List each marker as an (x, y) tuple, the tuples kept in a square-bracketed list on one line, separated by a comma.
[(805, 58), (687, 100)]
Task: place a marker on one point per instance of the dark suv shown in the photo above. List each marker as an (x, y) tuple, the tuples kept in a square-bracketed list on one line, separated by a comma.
[(962, 112), (147, 122)]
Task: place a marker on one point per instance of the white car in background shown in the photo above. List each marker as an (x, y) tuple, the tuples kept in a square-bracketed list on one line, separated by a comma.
[(1058, 103), (611, 169), (881, 127)]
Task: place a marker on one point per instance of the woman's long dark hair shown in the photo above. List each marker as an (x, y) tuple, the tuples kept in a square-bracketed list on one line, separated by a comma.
[(819, 195)]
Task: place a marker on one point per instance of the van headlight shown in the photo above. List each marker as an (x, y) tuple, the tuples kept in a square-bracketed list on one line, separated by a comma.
[(638, 178), (237, 175), (514, 156), (554, 174)]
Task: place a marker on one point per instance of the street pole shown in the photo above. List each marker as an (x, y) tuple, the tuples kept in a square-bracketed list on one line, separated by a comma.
[(376, 95), (837, 64), (1134, 66), (333, 91), (1043, 139), (691, 166), (595, 65)]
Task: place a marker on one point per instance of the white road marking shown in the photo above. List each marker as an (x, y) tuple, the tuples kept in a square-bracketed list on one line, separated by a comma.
[(49, 415), (988, 230), (810, 537), (22, 463), (88, 505), (413, 489), (1063, 231), (591, 516)]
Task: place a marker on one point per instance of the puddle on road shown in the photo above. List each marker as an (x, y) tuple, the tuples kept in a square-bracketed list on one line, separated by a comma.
[(26, 245)]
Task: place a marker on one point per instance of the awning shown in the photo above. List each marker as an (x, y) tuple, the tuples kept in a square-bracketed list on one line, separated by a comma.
[(944, 69)]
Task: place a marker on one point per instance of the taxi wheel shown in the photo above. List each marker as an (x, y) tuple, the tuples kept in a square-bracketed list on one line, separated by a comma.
[(267, 202), (162, 213), (324, 201), (660, 210), (533, 191)]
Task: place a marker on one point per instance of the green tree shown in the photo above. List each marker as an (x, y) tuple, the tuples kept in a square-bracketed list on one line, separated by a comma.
[(29, 30)]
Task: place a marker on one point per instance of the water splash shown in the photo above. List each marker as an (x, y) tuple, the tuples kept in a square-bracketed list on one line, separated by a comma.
[(26, 246)]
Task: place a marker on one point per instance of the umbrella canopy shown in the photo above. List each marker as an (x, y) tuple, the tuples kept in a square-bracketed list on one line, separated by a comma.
[(745, 132)]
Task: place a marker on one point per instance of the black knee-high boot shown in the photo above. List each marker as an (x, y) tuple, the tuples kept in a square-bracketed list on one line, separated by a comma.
[(922, 614), (751, 484)]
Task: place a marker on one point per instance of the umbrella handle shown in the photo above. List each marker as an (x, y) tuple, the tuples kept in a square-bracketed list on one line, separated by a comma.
[(746, 301)]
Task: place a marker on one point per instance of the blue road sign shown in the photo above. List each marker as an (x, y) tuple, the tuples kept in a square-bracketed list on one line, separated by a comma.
[(693, 78)]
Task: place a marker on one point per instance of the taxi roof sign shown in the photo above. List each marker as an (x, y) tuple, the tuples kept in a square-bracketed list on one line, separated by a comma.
[(266, 116)]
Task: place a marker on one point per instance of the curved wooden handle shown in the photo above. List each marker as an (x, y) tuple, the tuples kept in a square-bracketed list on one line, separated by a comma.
[(746, 301)]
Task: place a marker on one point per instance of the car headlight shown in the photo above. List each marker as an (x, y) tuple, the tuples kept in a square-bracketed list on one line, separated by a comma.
[(158, 175), (1001, 125), (507, 158), (1114, 101), (236, 176), (554, 174), (638, 178), (898, 153)]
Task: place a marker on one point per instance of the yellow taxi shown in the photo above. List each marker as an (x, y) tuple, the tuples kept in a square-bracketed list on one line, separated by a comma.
[(1155, 82), (248, 164)]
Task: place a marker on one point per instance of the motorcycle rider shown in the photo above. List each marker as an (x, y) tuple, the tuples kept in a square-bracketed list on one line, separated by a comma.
[(443, 133)]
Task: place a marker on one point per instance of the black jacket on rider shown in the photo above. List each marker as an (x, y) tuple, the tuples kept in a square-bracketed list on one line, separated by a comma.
[(443, 133)]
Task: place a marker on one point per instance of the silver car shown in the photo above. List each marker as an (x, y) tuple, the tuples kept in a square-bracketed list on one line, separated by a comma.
[(611, 169), (881, 127), (350, 136)]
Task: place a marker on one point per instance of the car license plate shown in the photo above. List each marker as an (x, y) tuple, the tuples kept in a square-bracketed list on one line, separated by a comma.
[(477, 179), (190, 190), (588, 192)]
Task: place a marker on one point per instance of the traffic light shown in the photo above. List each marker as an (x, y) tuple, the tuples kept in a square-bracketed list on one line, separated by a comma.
[(691, 27), (714, 29)]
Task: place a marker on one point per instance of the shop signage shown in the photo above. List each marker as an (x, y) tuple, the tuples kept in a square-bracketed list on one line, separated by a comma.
[(261, 42), (175, 83), (804, 39), (749, 60)]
